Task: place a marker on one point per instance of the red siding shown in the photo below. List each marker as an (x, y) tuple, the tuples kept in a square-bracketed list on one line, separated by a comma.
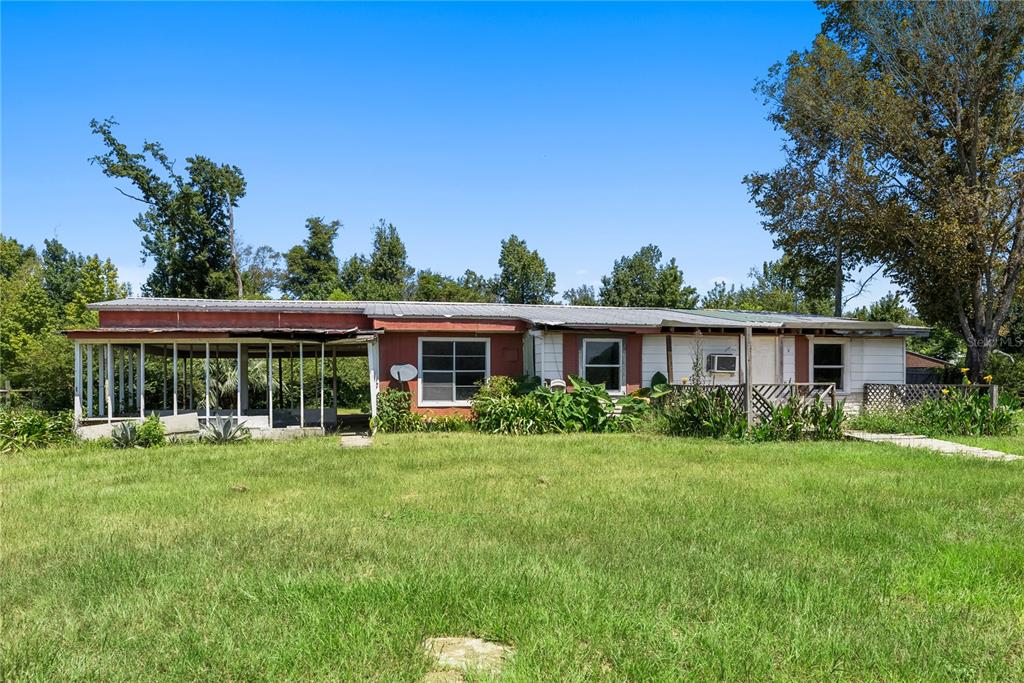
[(801, 358), (429, 326), (570, 355), (240, 319), (634, 352), (403, 347)]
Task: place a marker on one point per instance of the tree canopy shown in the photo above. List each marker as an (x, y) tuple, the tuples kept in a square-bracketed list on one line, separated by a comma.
[(186, 223), (910, 116), (523, 276), (311, 268), (643, 280)]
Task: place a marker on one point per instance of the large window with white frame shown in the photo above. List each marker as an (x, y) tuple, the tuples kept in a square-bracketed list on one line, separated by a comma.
[(602, 363), (451, 370), (827, 364)]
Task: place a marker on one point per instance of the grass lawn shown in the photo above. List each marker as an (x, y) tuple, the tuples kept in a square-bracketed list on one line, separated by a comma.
[(1007, 444), (612, 558)]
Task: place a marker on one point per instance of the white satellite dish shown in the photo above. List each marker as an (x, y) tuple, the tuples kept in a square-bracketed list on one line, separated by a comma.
[(404, 373)]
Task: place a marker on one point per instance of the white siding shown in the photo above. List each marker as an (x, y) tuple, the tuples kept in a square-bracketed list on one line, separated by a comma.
[(875, 360), (655, 359), (788, 358), (548, 356)]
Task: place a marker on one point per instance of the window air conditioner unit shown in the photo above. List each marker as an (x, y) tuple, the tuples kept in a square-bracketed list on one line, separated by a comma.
[(721, 362)]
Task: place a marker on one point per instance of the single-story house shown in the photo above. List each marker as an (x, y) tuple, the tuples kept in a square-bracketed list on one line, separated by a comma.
[(155, 355), (923, 369)]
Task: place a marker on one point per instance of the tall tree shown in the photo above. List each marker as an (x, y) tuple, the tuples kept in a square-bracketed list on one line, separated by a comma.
[(187, 220), (643, 280), (584, 295), (311, 268), (923, 105), (431, 286), (260, 270), (523, 276), (779, 286), (384, 275)]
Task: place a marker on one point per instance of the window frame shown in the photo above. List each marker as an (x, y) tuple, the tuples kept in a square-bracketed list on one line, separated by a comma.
[(622, 361), (419, 364), (841, 343)]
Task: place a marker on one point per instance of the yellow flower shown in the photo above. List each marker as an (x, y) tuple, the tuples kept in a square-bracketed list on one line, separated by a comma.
[(987, 378), (945, 391), (966, 381), (965, 370)]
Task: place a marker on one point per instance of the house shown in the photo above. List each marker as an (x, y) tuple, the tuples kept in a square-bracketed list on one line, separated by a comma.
[(922, 369), (155, 355)]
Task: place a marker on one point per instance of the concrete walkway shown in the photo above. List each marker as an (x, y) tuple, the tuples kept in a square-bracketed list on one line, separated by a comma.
[(948, 447)]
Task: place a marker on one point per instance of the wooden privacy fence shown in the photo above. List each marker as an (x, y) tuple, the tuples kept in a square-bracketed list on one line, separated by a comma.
[(765, 397), (886, 397)]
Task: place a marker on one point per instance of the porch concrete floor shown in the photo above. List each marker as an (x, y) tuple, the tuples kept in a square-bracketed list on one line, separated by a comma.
[(938, 445)]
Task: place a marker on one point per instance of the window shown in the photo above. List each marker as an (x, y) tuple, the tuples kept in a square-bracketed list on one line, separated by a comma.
[(451, 369), (602, 362), (828, 364)]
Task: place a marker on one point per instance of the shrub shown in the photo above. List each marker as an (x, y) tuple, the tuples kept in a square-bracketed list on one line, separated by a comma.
[(394, 412), (224, 430), (151, 432), (499, 409), (446, 423), (125, 435), (22, 428), (957, 413), (703, 413), (793, 421)]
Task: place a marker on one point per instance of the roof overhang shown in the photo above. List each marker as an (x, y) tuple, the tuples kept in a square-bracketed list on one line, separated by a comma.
[(219, 333)]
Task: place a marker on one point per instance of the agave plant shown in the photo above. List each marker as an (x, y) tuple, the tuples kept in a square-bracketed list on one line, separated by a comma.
[(126, 435), (224, 430)]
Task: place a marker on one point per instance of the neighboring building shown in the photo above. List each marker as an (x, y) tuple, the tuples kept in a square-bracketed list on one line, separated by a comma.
[(452, 346), (922, 369)]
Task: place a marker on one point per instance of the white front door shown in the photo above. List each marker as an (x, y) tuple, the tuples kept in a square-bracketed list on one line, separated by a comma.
[(764, 360)]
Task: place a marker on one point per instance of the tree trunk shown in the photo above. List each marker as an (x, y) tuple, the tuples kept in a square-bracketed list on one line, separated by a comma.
[(234, 249), (977, 357), (838, 286)]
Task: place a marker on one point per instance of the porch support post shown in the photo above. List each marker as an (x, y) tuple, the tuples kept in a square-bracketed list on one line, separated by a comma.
[(238, 382), (142, 381), (78, 381), (206, 382), (323, 361), (174, 374), (120, 381), (130, 360), (101, 380), (243, 378), (371, 358), (88, 380), (302, 389), (748, 385), (270, 383), (334, 378), (110, 383), (163, 355)]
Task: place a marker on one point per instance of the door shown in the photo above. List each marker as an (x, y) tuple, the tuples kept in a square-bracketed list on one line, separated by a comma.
[(764, 360)]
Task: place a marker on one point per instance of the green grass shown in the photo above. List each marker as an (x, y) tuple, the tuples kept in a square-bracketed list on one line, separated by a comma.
[(1007, 444), (613, 558)]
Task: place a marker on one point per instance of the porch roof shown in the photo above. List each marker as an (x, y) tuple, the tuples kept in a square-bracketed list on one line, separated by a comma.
[(205, 333)]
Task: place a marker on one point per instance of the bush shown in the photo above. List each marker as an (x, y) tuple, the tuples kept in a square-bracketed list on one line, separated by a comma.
[(957, 413), (22, 428), (394, 412), (125, 435), (710, 413), (446, 423), (151, 432), (224, 430), (498, 408), (793, 421)]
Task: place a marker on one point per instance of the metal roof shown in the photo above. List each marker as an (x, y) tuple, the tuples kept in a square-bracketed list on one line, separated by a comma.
[(543, 315)]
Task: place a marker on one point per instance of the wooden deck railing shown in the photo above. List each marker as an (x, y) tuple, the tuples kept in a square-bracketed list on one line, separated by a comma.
[(884, 397), (766, 396)]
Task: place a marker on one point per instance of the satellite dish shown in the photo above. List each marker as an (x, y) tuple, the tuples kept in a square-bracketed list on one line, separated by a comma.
[(404, 373)]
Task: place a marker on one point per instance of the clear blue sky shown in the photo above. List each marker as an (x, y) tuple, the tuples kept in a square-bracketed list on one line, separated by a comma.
[(589, 130)]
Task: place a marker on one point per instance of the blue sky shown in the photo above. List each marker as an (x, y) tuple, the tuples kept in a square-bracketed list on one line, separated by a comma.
[(589, 130)]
